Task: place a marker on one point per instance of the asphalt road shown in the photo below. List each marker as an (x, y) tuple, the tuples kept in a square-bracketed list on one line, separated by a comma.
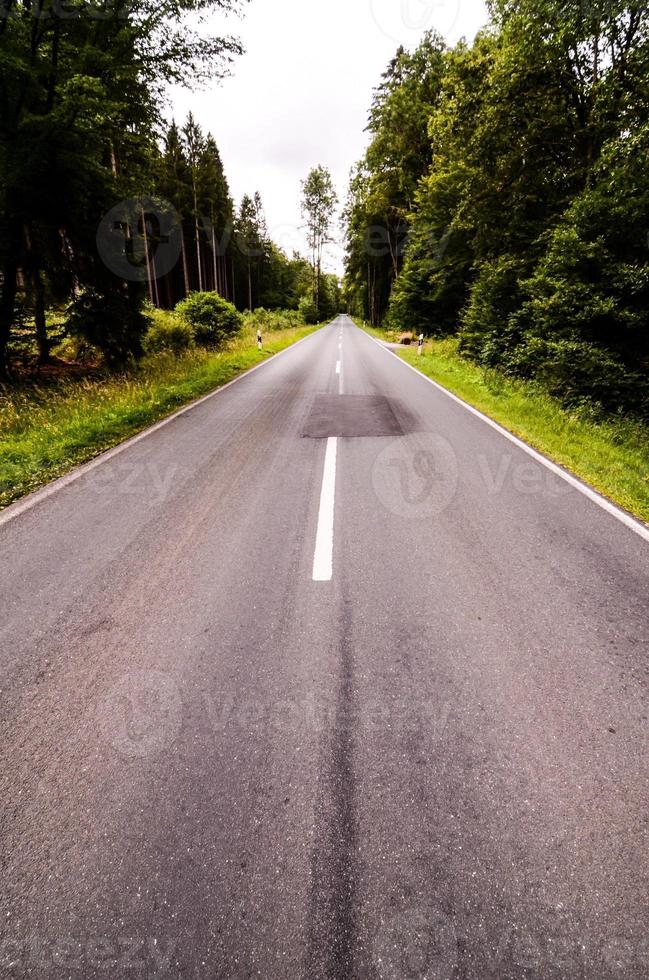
[(325, 678)]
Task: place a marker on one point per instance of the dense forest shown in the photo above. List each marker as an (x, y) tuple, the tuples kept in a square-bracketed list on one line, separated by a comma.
[(222, 247), (103, 204), (504, 197)]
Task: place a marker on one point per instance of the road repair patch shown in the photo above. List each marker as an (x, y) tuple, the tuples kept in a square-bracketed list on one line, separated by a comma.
[(355, 416)]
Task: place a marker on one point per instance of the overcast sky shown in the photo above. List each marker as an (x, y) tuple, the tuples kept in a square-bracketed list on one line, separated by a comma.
[(300, 94)]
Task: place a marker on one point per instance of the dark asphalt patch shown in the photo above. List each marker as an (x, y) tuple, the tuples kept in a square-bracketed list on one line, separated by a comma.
[(354, 416)]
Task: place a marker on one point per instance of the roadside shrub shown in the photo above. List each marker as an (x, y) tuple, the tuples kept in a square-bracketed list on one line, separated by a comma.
[(211, 317), (486, 332), (269, 320), (308, 310), (76, 350), (167, 332), (573, 370), (112, 321)]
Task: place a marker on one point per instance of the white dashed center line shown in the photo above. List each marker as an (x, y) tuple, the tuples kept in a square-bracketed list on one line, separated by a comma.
[(324, 540)]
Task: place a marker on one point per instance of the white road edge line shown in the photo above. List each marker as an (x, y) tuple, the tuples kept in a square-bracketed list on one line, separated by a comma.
[(14, 510), (625, 518), (324, 540)]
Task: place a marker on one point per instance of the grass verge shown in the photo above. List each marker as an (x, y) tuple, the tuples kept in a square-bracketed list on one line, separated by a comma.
[(611, 454), (46, 430)]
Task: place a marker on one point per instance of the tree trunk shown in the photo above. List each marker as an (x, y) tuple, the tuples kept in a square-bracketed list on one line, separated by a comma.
[(184, 258), (218, 287), (7, 303), (197, 235), (149, 277), (393, 255), (42, 340), (314, 266), (156, 290)]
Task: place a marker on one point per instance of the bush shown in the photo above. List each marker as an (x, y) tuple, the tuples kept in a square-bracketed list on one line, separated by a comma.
[(77, 351), (486, 331), (269, 320), (167, 332), (110, 320), (211, 317), (308, 310), (575, 370)]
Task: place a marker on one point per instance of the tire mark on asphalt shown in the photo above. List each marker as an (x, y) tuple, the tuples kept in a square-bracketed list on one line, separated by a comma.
[(334, 863)]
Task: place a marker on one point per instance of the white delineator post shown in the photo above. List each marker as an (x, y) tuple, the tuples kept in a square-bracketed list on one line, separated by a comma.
[(259, 339)]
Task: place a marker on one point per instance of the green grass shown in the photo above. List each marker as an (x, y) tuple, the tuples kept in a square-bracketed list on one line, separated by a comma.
[(611, 454), (46, 430)]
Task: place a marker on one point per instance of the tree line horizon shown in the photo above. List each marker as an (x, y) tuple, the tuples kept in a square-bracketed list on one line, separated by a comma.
[(504, 198), (90, 173)]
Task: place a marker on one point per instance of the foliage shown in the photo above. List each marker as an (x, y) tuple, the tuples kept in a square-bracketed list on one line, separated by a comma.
[(189, 176), (78, 351), (80, 96), (308, 310), (383, 186), (223, 248), (167, 332), (319, 202), (211, 318), (113, 322), (527, 225), (272, 320)]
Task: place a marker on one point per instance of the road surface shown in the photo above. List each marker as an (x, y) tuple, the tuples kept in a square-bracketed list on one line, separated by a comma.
[(325, 678)]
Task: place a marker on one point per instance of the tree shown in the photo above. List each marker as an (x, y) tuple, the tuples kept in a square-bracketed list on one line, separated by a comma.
[(195, 143), (524, 201), (384, 184), (319, 202), (250, 245), (79, 102), (218, 205), (173, 184)]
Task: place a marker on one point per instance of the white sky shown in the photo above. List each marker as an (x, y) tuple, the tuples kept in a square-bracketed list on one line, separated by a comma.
[(300, 94)]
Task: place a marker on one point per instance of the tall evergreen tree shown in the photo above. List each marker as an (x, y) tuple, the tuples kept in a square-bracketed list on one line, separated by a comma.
[(79, 98)]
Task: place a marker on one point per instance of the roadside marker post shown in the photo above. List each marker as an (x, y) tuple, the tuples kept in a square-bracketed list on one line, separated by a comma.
[(420, 344), (259, 339)]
